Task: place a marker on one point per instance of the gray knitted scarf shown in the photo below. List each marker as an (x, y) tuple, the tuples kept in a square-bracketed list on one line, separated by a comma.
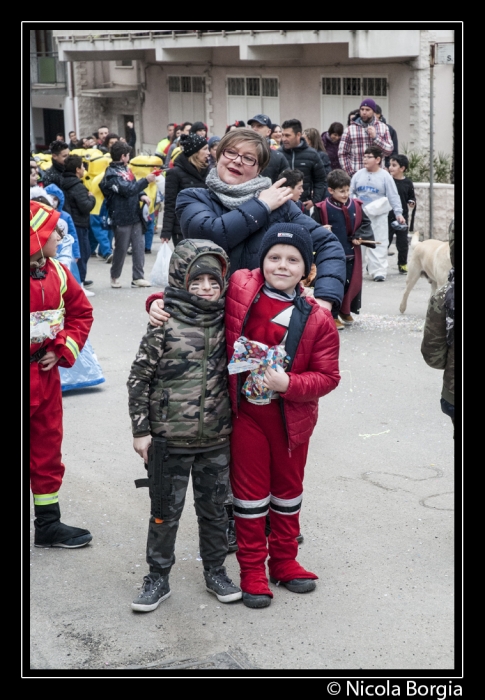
[(232, 196)]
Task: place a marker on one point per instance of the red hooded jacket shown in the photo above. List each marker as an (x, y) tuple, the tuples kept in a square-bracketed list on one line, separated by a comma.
[(314, 369)]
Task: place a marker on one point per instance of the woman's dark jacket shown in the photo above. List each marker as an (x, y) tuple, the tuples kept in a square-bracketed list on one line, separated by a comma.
[(183, 174), (78, 200), (240, 231), (332, 150)]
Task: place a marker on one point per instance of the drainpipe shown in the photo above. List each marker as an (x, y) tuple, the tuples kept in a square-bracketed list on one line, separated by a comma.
[(70, 81)]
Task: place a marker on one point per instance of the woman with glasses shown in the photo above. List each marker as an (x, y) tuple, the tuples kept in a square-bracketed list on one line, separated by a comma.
[(239, 205)]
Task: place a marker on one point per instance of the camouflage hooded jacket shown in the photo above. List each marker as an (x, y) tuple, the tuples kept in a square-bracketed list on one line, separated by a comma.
[(178, 381), (438, 346)]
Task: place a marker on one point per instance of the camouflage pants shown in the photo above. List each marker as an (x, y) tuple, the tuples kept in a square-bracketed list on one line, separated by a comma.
[(210, 483)]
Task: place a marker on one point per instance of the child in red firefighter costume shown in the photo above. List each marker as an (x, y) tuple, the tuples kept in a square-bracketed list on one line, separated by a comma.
[(60, 320), (269, 443)]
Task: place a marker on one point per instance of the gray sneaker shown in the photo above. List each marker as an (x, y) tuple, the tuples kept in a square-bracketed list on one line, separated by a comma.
[(218, 582), (154, 590)]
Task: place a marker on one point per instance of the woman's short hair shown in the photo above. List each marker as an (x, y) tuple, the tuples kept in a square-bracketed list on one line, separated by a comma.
[(336, 128), (249, 136)]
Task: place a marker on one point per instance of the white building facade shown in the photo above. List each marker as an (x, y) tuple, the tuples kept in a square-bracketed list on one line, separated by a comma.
[(216, 76)]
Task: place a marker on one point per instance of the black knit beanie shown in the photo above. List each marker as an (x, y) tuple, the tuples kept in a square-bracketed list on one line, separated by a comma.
[(191, 143), (288, 234), (198, 126)]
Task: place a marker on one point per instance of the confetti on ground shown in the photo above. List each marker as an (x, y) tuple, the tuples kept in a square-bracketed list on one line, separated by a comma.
[(373, 322), (368, 435)]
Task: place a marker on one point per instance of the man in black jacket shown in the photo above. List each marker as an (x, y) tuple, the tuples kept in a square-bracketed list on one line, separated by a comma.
[(79, 202), (277, 161), (301, 156), (54, 175), (123, 193)]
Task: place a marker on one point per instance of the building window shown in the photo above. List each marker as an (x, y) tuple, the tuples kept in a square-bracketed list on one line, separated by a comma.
[(351, 86), (331, 86), (341, 95), (186, 83), (270, 87), (124, 63), (377, 87), (247, 96), (236, 86), (186, 98)]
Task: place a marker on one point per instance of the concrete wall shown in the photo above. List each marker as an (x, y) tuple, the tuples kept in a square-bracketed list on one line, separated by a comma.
[(443, 209)]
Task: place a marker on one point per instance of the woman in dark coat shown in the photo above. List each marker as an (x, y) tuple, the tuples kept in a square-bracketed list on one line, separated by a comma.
[(190, 170), (331, 140)]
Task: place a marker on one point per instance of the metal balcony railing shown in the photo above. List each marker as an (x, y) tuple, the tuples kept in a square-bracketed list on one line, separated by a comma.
[(47, 69)]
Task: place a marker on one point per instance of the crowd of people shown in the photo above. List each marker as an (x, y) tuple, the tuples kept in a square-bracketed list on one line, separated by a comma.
[(273, 228)]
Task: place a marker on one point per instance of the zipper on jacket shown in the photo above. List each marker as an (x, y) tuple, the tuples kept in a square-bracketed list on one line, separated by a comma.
[(239, 377), (204, 382)]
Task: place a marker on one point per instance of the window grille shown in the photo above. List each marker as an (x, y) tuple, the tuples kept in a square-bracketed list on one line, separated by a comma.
[(270, 87), (198, 84), (331, 86), (186, 83), (173, 83), (351, 86), (236, 86), (375, 86), (253, 87)]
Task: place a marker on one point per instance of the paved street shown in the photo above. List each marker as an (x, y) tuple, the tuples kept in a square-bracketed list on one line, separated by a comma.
[(377, 520)]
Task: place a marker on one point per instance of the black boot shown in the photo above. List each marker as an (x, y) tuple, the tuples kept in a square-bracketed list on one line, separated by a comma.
[(231, 529), (50, 532)]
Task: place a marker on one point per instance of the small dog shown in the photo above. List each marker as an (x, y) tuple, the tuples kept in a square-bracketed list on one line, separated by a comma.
[(430, 259)]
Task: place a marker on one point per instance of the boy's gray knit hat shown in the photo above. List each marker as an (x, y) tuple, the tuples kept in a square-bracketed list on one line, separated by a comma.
[(288, 234)]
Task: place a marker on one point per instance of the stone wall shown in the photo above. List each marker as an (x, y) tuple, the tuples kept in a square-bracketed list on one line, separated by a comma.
[(443, 209)]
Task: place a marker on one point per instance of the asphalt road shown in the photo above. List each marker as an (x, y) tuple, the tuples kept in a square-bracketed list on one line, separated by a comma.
[(377, 519)]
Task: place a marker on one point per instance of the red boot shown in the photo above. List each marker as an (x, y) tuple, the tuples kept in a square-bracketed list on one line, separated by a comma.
[(251, 555), (283, 549)]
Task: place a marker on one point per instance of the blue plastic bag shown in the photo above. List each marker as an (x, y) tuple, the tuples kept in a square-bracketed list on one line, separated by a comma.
[(86, 371)]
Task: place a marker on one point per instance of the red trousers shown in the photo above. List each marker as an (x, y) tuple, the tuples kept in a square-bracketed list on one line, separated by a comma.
[(265, 476), (46, 467)]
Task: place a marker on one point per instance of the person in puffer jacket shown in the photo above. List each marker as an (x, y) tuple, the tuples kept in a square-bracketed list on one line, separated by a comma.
[(57, 194), (270, 438), (178, 391)]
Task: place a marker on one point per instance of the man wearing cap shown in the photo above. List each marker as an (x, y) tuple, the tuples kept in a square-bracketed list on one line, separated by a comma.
[(277, 161), (60, 321), (366, 130)]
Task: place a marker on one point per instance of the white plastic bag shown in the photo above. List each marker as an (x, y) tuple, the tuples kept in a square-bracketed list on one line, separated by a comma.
[(378, 207), (159, 275)]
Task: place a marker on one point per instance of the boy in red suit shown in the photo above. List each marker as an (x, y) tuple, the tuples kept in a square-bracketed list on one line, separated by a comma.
[(60, 321), (269, 443)]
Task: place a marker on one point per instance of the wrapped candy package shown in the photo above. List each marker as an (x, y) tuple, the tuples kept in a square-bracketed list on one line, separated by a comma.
[(45, 324), (249, 355)]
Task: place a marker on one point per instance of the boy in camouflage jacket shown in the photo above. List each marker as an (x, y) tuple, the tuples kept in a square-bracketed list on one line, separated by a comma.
[(178, 391)]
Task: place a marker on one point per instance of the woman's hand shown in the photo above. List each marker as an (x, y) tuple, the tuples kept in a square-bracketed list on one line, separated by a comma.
[(276, 381), (276, 195), (157, 316), (141, 445)]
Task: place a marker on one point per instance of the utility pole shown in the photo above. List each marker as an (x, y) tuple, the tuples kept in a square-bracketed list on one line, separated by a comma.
[(431, 110)]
